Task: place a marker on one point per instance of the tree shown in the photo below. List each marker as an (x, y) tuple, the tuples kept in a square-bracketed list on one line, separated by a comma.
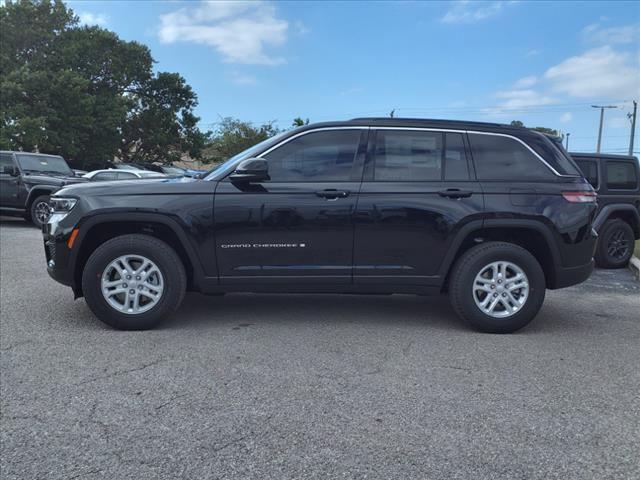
[(233, 136), (84, 93), (299, 122), (546, 130)]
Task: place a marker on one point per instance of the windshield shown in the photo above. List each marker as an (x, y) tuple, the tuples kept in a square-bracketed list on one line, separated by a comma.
[(43, 164), (223, 167)]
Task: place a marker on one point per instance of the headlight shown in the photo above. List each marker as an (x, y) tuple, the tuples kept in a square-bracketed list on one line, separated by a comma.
[(61, 204), (60, 208)]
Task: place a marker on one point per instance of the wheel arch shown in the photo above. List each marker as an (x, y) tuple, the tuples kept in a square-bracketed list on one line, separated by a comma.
[(98, 229), (38, 190), (622, 211), (531, 235)]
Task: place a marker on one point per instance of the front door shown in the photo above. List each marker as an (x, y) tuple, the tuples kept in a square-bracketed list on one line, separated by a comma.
[(418, 191), (9, 185), (296, 227)]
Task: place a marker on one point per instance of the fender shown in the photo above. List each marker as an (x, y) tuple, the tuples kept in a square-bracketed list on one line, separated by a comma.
[(482, 225), (140, 217), (607, 210), (38, 189)]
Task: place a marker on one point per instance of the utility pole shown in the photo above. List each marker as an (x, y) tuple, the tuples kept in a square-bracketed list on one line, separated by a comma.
[(601, 107), (633, 126), (567, 147)]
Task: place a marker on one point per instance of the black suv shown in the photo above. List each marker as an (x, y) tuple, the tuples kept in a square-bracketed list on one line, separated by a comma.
[(28, 179), (491, 214), (616, 178)]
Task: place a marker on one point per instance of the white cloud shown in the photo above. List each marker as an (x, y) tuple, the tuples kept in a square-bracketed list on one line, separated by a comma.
[(598, 73), (533, 52), (566, 117), (518, 98), (526, 82), (466, 11), (239, 31), (88, 18), (595, 33), (243, 79)]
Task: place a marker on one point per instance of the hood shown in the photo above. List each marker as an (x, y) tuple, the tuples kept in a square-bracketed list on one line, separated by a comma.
[(57, 181), (140, 186)]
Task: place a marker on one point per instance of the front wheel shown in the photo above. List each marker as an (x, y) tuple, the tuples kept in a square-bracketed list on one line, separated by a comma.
[(40, 210), (497, 287), (133, 281)]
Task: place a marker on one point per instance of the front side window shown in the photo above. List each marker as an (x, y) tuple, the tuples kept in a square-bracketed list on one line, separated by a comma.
[(504, 158), (621, 176), (325, 156), (6, 160), (126, 176), (589, 169)]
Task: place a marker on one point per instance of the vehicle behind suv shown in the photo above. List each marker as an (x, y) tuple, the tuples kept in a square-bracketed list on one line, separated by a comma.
[(616, 178), (491, 214), (28, 179)]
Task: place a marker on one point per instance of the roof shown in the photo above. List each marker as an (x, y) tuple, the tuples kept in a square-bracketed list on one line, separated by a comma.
[(603, 155)]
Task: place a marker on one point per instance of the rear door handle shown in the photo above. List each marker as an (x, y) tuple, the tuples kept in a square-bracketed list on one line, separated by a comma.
[(455, 193), (332, 193)]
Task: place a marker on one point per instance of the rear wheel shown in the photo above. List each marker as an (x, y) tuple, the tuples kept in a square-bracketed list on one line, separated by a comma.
[(615, 245), (40, 210), (132, 282), (497, 287)]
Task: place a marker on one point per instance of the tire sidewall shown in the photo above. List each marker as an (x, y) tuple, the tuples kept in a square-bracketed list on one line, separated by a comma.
[(32, 216), (92, 289), (536, 281), (610, 229)]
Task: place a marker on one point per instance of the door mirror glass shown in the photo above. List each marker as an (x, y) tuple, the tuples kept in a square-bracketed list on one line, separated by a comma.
[(10, 170), (251, 170)]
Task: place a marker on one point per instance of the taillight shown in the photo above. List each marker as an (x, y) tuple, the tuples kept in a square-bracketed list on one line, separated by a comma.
[(580, 197)]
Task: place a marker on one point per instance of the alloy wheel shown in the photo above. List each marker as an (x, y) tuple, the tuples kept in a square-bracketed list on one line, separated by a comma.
[(501, 289)]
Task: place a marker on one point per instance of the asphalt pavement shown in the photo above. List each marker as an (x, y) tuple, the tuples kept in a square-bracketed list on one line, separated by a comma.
[(314, 386)]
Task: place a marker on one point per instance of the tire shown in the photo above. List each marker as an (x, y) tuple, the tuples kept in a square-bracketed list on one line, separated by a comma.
[(36, 211), (463, 293), (170, 284), (615, 245)]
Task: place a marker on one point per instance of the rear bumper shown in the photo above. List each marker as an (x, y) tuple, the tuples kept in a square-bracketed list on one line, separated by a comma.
[(565, 277)]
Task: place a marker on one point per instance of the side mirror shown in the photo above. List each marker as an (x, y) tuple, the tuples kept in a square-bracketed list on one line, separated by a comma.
[(251, 170), (10, 170)]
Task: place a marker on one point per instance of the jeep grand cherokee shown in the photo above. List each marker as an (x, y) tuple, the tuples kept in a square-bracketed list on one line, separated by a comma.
[(491, 214)]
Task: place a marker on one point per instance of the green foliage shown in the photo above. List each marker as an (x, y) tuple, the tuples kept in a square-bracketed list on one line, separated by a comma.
[(84, 93), (299, 122), (233, 136), (548, 131)]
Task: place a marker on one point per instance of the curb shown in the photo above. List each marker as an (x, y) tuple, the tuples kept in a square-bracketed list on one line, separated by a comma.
[(634, 266)]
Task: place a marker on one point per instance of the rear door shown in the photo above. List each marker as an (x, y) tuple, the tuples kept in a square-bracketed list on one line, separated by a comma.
[(296, 227), (418, 191), (620, 179)]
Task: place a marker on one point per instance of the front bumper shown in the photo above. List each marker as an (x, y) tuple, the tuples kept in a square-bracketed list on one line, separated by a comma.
[(58, 255)]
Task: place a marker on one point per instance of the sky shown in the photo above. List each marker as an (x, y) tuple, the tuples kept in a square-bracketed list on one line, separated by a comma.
[(544, 63)]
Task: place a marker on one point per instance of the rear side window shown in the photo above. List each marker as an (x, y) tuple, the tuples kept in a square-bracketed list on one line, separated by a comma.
[(99, 177), (126, 176), (419, 156), (315, 157), (621, 176), (589, 169), (504, 158)]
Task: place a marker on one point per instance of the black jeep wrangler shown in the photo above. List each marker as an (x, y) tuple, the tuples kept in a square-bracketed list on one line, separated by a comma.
[(28, 179), (491, 214), (616, 178)]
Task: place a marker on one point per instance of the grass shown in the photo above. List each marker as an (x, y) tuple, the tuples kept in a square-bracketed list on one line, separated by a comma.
[(637, 250)]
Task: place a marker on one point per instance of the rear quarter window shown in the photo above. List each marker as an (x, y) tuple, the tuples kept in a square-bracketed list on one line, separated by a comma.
[(504, 158), (621, 175)]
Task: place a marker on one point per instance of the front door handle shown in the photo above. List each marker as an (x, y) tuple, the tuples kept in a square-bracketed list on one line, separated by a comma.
[(455, 193), (332, 193)]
